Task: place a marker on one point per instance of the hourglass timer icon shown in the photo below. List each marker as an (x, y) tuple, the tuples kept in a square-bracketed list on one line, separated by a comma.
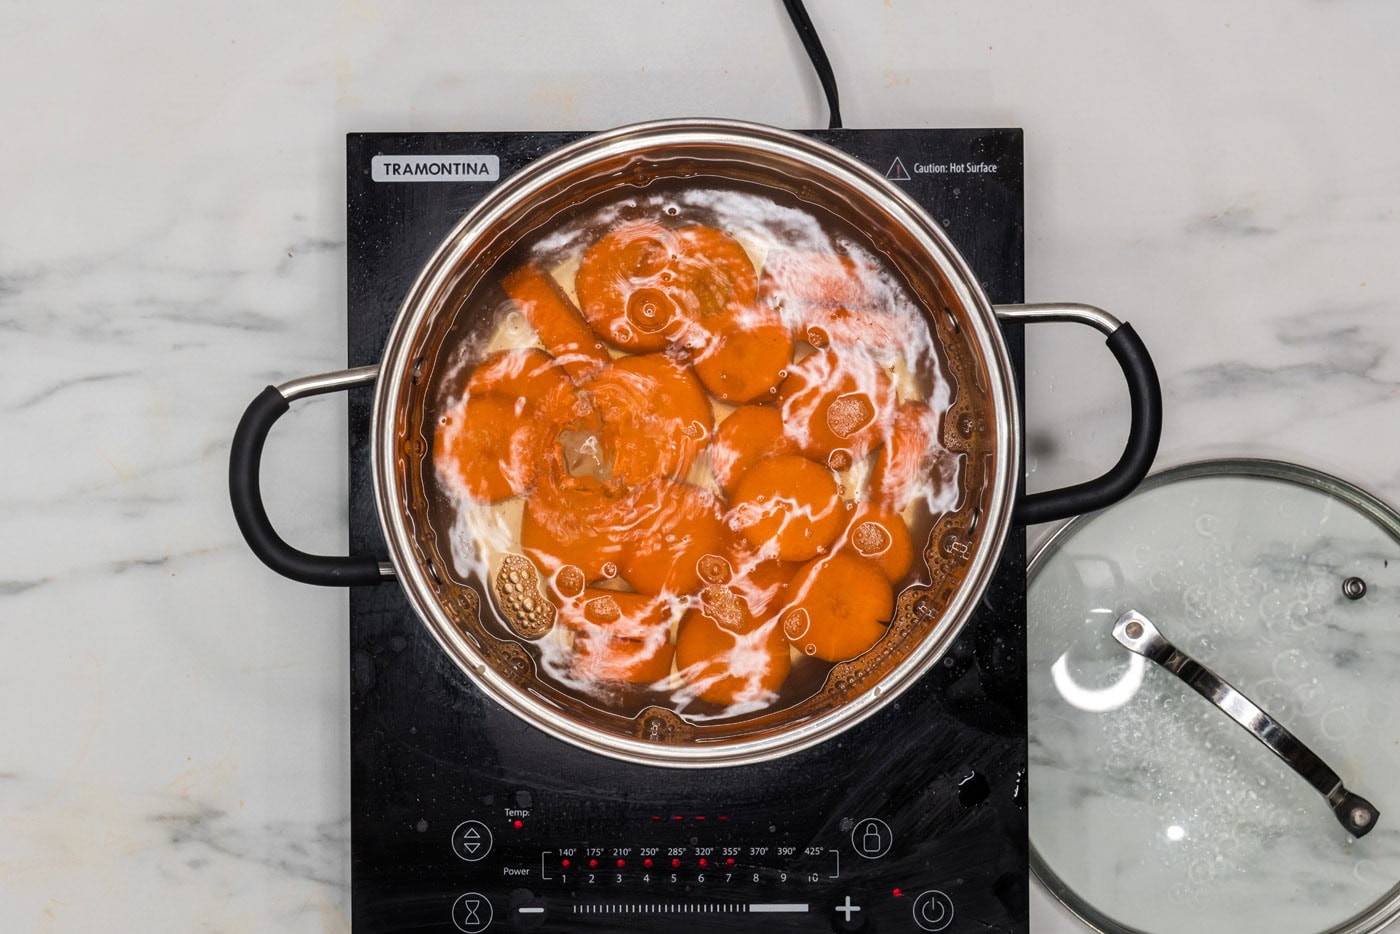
[(871, 838)]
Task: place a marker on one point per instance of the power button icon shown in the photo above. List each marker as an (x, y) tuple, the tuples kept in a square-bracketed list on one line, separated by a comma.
[(933, 911), (871, 837)]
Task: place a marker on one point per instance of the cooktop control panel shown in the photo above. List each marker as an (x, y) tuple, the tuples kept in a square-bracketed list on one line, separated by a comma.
[(466, 819), (668, 871)]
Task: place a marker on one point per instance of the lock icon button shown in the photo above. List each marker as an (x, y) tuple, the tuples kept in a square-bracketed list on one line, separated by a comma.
[(871, 837)]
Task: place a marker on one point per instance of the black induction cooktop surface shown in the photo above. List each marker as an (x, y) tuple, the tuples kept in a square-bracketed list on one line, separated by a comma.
[(467, 819)]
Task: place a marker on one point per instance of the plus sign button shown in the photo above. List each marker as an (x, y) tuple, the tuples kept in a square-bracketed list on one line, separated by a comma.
[(849, 916), (933, 911)]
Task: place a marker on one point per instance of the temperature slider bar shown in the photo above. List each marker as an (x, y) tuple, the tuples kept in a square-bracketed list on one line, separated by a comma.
[(686, 908)]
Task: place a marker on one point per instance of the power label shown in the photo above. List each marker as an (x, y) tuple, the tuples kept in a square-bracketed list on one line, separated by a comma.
[(435, 168)]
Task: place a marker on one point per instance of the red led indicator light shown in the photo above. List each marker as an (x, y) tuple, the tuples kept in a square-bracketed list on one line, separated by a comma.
[(703, 861), (518, 824), (621, 863), (564, 863), (647, 863), (724, 817), (898, 893), (699, 816), (729, 861), (677, 817), (675, 864), (592, 864)]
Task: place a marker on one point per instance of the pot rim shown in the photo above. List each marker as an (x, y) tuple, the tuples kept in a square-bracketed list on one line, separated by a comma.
[(435, 279)]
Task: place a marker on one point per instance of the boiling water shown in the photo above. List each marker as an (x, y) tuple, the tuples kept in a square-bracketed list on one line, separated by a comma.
[(788, 242)]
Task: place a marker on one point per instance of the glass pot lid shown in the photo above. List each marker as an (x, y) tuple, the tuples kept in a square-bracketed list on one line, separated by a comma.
[(1151, 809)]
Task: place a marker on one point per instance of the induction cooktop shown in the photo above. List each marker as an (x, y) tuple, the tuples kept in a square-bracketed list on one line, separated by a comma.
[(467, 819)]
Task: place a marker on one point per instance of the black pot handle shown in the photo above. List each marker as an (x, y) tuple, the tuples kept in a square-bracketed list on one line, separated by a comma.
[(245, 491), (1144, 431)]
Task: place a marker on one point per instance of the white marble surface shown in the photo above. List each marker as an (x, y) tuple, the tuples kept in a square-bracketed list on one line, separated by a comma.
[(173, 743)]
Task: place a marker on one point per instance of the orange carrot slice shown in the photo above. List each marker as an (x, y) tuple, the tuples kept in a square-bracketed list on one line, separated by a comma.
[(830, 299), (725, 667), (827, 326), (837, 405), (567, 525), (840, 604), (804, 278), (556, 320), (749, 434), (881, 535), (619, 287), (788, 507), (599, 655), (901, 466), (744, 355), (741, 590), (644, 286), (487, 448), (676, 525), (655, 415), (529, 374), (619, 636), (626, 615)]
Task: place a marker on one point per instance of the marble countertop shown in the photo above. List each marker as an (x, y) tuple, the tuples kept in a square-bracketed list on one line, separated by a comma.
[(174, 717)]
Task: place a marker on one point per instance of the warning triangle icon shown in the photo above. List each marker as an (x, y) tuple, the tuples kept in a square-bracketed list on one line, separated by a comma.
[(897, 171)]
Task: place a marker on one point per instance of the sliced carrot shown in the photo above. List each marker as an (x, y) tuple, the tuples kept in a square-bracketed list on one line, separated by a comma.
[(599, 655), (567, 526), (640, 421), (715, 272), (626, 615), (488, 447), (837, 405), (805, 278), (749, 434), (901, 466), (788, 507), (744, 355), (677, 524), (840, 605), (880, 535), (725, 667), (644, 286), (830, 299), (827, 326), (749, 591), (619, 636), (556, 320), (618, 284), (527, 373), (655, 416)]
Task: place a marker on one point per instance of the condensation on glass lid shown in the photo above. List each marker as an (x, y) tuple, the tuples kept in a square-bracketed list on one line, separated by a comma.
[(1151, 810), (699, 450)]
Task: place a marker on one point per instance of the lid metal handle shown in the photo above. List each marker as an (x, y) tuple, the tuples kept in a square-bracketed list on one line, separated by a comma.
[(1138, 634)]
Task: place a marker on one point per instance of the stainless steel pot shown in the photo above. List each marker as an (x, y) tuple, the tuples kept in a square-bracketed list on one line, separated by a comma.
[(963, 547)]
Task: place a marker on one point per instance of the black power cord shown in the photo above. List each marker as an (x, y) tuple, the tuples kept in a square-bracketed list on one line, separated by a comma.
[(813, 44)]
